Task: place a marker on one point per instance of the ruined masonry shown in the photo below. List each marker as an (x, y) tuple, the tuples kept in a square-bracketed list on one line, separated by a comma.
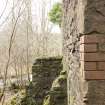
[(49, 85), (84, 51)]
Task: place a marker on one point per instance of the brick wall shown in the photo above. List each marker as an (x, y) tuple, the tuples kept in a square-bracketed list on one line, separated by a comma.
[(92, 51), (92, 58)]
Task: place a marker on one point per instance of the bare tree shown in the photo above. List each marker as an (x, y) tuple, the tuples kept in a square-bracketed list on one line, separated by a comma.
[(9, 55), (28, 32), (4, 9)]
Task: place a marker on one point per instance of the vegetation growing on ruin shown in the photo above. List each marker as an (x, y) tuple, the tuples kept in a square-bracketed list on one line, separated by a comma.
[(55, 15)]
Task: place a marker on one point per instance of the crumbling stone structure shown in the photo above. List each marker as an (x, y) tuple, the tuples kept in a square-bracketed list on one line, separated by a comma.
[(58, 92), (48, 82), (84, 51), (48, 86)]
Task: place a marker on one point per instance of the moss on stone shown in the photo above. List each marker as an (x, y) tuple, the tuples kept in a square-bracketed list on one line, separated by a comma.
[(63, 72), (48, 86), (58, 92), (47, 100), (45, 71)]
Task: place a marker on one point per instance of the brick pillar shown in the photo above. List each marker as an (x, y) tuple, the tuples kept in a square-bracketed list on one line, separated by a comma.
[(92, 52), (84, 51), (92, 57)]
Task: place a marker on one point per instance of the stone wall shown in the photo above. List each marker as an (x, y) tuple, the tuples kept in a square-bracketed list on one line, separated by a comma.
[(84, 50), (72, 27), (58, 91), (48, 86), (45, 71), (94, 32)]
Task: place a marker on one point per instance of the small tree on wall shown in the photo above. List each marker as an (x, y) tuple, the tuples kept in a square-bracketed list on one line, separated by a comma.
[(55, 15)]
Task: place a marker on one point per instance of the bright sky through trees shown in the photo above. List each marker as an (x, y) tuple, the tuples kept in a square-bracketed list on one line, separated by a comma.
[(35, 10)]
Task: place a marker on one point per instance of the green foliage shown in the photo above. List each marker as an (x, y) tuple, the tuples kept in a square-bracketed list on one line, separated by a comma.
[(17, 98), (28, 100), (21, 98), (58, 92), (55, 15), (47, 100)]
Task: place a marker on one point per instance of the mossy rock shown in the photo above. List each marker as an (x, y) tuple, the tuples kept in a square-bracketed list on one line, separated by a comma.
[(47, 100), (58, 92), (63, 72), (60, 82)]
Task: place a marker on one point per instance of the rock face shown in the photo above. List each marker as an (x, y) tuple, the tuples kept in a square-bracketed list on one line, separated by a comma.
[(44, 71), (72, 27)]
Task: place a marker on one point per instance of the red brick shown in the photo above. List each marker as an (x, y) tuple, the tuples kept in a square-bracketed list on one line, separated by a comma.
[(101, 38), (88, 48), (92, 39), (101, 47), (95, 75), (92, 57), (89, 39), (101, 66), (90, 66)]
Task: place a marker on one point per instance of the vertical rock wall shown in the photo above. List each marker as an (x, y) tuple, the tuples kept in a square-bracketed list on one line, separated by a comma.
[(72, 27)]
